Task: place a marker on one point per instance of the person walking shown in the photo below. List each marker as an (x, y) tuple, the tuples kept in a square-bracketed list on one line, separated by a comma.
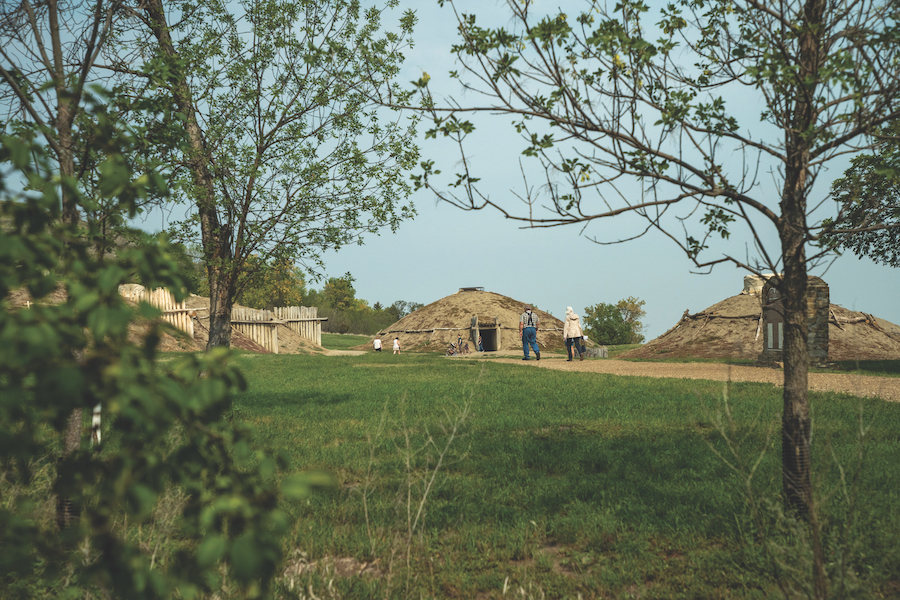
[(377, 344), (396, 345), (572, 334), (480, 345), (528, 324)]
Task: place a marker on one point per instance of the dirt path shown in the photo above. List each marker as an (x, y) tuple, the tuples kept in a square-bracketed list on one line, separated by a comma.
[(886, 388)]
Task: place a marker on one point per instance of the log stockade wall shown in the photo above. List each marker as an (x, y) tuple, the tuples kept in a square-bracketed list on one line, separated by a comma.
[(261, 326), (258, 325), (302, 320), (174, 312)]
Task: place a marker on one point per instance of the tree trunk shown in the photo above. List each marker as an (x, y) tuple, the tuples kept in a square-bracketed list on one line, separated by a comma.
[(216, 241), (220, 304), (793, 230), (795, 425), (66, 509), (64, 114)]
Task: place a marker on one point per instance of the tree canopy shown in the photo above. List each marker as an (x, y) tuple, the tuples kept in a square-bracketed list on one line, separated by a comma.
[(49, 51), (614, 324), (603, 323), (868, 197), (708, 123), (283, 154)]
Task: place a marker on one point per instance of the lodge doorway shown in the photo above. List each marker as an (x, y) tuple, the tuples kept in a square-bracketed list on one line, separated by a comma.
[(773, 318), (490, 339)]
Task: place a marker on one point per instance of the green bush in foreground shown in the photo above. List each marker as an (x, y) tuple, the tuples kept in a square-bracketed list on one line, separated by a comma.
[(172, 460)]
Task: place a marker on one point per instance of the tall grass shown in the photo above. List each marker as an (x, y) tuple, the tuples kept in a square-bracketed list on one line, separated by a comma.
[(558, 484)]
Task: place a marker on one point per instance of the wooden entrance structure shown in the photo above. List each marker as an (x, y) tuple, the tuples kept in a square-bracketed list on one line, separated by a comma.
[(490, 331), (817, 313)]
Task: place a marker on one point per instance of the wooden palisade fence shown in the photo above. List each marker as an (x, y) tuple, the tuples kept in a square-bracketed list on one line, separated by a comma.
[(261, 326), (303, 320), (258, 325), (174, 313)]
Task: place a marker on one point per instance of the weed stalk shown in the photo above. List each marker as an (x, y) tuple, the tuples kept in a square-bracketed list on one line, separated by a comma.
[(794, 546)]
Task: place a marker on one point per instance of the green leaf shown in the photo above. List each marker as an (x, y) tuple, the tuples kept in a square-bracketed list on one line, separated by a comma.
[(299, 486), (246, 558), (19, 151), (141, 500), (211, 551)]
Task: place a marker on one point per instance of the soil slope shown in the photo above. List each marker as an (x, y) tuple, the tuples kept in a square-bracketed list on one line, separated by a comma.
[(729, 329)]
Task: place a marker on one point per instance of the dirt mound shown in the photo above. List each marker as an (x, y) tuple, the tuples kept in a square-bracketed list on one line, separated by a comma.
[(435, 326), (22, 297), (860, 336), (730, 329)]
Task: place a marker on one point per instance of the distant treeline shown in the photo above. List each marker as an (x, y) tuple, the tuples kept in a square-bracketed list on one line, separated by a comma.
[(266, 286), (270, 285)]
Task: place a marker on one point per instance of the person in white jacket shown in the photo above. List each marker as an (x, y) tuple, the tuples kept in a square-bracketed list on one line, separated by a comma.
[(573, 334)]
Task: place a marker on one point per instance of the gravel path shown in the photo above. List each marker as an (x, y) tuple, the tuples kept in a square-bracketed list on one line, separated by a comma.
[(886, 388)]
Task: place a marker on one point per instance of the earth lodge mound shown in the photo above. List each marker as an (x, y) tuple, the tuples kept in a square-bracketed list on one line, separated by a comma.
[(471, 312), (733, 328)]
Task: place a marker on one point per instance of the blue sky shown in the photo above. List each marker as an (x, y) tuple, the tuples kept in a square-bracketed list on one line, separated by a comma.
[(445, 248)]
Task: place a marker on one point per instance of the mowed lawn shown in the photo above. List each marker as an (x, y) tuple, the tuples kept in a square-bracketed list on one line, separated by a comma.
[(462, 478)]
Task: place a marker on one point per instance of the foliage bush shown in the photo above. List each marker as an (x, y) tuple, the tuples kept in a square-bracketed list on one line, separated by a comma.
[(172, 431), (615, 324)]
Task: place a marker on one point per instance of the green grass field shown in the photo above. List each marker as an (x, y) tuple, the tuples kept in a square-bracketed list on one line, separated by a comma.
[(881, 368), (472, 479), (341, 341)]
